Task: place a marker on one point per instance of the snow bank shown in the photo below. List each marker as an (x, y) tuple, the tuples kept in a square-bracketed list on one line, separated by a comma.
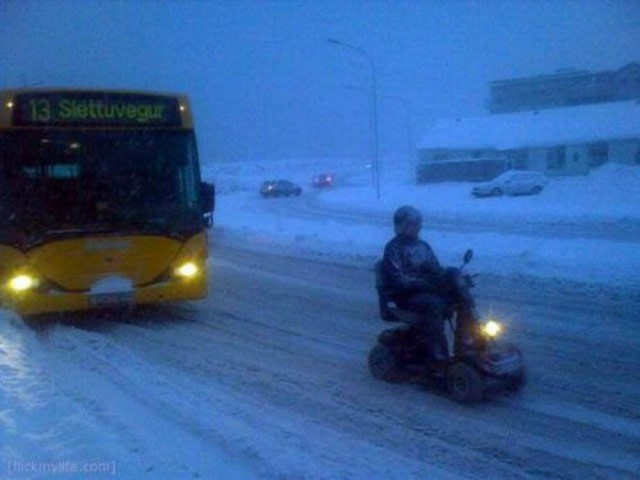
[(348, 220), (247, 176), (67, 410), (40, 429), (608, 193)]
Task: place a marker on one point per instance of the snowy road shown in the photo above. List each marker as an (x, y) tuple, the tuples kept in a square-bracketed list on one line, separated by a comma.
[(268, 378)]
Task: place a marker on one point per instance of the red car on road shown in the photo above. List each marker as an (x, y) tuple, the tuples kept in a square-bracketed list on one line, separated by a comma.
[(323, 180)]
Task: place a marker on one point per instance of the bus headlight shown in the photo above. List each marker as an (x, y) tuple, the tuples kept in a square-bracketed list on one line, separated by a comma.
[(22, 282), (187, 270), (491, 329)]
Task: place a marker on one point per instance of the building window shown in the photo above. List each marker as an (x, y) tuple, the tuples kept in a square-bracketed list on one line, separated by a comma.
[(598, 154), (556, 158), (518, 159), (441, 156), (476, 154)]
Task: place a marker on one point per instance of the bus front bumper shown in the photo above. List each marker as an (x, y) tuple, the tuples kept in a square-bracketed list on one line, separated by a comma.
[(33, 302)]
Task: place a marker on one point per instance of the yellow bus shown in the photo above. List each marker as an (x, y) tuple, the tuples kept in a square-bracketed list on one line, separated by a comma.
[(101, 202)]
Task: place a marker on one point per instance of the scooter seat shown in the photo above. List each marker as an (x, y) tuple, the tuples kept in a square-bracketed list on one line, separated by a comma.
[(388, 311)]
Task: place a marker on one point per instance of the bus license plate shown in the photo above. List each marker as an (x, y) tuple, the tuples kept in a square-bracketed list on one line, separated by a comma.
[(111, 299)]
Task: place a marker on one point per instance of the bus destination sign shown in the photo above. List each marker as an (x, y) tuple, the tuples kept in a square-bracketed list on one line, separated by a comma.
[(95, 109)]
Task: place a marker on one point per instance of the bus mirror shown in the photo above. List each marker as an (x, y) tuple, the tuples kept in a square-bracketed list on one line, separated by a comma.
[(208, 194)]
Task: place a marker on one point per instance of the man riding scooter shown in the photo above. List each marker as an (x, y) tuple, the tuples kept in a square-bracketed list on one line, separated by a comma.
[(415, 281)]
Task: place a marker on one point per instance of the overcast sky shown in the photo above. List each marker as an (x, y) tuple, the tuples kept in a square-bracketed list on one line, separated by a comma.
[(265, 83)]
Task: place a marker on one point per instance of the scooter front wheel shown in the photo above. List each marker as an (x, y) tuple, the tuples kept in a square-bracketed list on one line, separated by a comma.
[(383, 364), (464, 383)]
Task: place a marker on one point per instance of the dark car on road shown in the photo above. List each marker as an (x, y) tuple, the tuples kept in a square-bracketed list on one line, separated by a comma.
[(279, 188)]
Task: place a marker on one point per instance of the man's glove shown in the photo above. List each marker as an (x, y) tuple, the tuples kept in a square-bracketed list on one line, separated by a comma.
[(452, 272), (450, 277)]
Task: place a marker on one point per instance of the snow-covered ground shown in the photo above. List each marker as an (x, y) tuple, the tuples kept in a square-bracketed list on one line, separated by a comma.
[(63, 416), (584, 228), (267, 377)]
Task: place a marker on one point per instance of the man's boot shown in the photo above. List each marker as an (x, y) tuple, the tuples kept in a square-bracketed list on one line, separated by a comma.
[(440, 349)]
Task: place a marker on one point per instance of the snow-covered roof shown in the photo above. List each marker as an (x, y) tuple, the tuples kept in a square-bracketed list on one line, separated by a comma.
[(569, 125)]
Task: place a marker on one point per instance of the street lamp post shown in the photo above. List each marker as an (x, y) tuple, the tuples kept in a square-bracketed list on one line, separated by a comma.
[(374, 107)]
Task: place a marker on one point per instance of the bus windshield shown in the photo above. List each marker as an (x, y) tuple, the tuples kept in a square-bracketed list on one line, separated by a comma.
[(54, 181)]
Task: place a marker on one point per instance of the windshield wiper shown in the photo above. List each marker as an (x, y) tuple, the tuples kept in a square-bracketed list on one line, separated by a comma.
[(76, 230), (149, 226)]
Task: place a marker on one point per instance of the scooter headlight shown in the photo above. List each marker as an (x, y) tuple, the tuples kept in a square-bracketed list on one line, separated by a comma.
[(491, 329)]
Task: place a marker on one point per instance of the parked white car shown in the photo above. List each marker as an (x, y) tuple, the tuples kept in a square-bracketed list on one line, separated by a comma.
[(513, 182)]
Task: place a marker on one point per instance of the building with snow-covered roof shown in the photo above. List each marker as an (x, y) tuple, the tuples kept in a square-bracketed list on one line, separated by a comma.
[(559, 141)]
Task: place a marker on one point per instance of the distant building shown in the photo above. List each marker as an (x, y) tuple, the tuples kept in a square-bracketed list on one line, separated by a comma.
[(559, 141), (565, 88)]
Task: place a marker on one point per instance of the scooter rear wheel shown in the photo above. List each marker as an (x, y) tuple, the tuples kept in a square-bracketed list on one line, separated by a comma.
[(383, 364), (464, 383)]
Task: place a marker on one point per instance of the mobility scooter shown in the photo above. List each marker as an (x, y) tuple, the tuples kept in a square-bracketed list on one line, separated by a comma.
[(468, 374)]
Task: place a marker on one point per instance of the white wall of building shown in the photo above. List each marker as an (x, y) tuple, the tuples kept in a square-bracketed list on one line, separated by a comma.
[(435, 155), (537, 159), (588, 136), (577, 160)]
